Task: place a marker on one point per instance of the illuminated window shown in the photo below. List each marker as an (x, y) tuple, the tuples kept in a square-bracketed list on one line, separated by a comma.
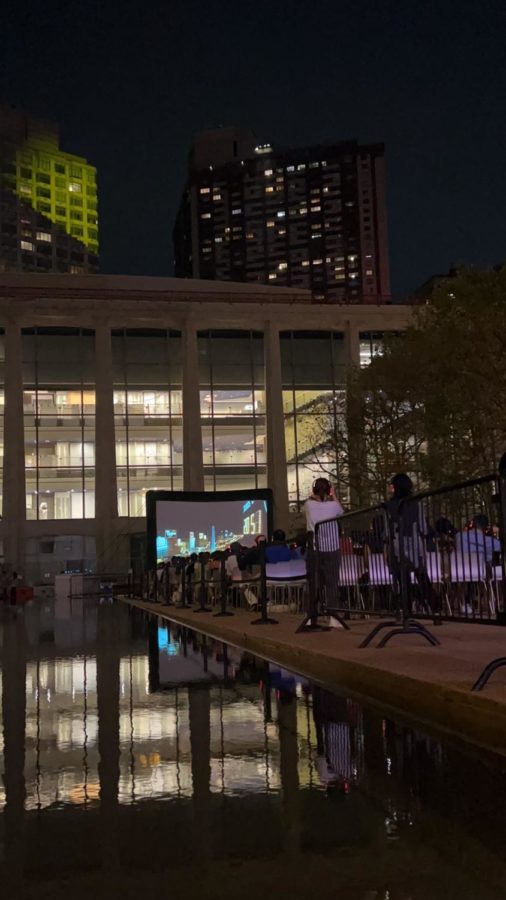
[(270, 223), (59, 426), (313, 372), (205, 215), (269, 189), (305, 262), (290, 168), (301, 167), (25, 189), (205, 190), (232, 405), (315, 208), (282, 266), (43, 236), (268, 172), (281, 214), (75, 188), (27, 245), (272, 276), (149, 446)]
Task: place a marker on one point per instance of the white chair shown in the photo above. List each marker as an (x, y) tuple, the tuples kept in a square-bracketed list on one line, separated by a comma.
[(350, 570), (286, 583), (379, 573), (469, 569)]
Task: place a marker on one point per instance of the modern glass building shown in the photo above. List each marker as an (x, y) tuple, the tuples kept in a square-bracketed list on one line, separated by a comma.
[(114, 386), (48, 200)]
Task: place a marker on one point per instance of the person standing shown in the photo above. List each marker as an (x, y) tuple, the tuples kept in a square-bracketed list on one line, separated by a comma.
[(408, 535), (323, 554)]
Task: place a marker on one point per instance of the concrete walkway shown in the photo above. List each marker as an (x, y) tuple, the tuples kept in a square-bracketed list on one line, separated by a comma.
[(429, 684)]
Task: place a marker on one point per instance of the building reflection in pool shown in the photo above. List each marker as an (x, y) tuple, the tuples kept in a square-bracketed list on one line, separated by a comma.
[(108, 711)]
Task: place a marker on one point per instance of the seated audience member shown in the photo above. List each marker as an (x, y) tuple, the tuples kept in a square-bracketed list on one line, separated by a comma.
[(253, 558), (232, 562), (278, 550), (478, 539)]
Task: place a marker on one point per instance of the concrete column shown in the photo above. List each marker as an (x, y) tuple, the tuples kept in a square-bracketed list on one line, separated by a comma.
[(352, 344), (14, 488), (106, 493), (275, 426), (354, 415), (193, 466)]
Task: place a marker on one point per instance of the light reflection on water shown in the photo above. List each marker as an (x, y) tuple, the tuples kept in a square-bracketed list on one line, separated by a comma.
[(115, 712)]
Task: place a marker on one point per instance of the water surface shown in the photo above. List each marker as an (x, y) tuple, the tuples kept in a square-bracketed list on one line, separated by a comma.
[(140, 757)]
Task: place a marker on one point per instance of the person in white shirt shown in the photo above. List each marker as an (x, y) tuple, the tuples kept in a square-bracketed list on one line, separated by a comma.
[(323, 556)]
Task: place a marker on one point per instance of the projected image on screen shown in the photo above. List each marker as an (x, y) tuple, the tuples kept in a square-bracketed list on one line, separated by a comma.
[(184, 527)]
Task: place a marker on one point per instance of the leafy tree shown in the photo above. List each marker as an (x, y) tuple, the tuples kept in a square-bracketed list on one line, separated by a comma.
[(434, 404)]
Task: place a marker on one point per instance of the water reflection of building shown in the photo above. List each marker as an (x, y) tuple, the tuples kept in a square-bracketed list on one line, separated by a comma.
[(237, 744)]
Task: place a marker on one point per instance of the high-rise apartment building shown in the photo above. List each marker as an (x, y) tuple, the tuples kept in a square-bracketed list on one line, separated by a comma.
[(48, 200), (312, 217)]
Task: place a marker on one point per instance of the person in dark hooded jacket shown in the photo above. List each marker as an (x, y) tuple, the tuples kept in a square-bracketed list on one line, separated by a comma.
[(408, 531)]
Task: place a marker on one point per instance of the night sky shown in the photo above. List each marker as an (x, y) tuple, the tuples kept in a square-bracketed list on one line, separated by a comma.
[(131, 82)]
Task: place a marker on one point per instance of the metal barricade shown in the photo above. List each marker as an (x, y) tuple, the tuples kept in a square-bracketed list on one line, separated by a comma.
[(437, 554), (448, 546)]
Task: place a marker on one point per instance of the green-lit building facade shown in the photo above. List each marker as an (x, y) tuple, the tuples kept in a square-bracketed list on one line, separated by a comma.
[(48, 200)]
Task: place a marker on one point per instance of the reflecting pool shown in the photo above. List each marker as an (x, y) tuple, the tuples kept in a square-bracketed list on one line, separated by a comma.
[(137, 756)]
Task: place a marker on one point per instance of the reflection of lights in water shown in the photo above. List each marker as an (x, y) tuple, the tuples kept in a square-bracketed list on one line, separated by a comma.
[(171, 648), (151, 759), (389, 765), (391, 827), (82, 793)]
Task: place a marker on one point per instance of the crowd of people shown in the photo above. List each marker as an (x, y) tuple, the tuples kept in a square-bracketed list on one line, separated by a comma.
[(400, 532)]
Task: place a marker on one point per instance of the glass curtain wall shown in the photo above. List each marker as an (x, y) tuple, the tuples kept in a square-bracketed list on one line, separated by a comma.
[(314, 396), (232, 409), (148, 415), (59, 413), (371, 345)]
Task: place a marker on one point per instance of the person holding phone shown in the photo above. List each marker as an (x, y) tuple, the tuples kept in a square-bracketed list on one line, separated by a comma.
[(323, 553)]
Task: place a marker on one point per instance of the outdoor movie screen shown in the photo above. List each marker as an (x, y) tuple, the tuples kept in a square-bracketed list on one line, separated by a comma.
[(192, 524)]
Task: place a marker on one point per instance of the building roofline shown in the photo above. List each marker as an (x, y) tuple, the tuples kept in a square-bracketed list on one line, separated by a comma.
[(53, 284)]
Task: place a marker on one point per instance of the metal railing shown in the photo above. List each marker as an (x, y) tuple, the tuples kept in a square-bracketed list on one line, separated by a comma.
[(436, 555)]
